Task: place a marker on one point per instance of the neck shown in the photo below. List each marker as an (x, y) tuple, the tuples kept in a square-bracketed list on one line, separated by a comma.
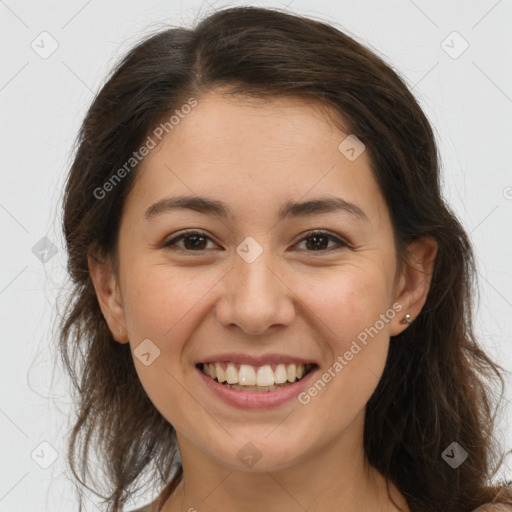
[(336, 477)]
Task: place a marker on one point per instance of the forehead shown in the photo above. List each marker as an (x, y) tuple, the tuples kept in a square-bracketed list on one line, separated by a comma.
[(238, 125), (232, 147)]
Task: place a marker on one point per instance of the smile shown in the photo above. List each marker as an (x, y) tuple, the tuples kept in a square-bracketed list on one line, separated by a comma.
[(255, 379)]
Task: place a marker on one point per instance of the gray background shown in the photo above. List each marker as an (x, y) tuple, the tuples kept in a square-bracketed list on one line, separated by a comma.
[(467, 95)]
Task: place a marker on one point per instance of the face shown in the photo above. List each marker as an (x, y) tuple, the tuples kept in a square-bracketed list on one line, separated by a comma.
[(260, 279)]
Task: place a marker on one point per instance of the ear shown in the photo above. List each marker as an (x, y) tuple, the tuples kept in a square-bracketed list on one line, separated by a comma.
[(414, 281), (109, 296)]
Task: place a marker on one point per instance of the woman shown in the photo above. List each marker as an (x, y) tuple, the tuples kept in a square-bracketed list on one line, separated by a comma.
[(269, 284)]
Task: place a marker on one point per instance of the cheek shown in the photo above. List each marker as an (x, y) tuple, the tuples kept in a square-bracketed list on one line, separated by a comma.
[(159, 300), (162, 304), (355, 337), (348, 301)]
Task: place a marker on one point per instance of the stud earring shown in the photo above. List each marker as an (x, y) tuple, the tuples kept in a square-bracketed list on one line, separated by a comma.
[(407, 319)]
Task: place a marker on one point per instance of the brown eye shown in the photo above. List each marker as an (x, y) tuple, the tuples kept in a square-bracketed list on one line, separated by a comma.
[(192, 241), (317, 241), (196, 241)]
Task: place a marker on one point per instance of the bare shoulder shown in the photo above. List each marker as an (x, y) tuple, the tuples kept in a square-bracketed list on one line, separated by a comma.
[(494, 508), (150, 508)]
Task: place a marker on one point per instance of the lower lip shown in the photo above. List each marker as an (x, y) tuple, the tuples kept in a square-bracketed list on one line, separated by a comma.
[(257, 400)]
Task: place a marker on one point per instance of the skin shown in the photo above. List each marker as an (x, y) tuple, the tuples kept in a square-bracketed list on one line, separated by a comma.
[(256, 155)]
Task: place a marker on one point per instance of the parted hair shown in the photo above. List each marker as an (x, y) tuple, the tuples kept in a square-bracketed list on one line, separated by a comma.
[(438, 386)]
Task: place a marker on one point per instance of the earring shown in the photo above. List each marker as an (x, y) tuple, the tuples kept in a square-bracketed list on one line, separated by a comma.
[(407, 319)]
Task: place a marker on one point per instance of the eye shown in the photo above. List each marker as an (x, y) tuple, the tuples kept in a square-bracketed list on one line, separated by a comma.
[(196, 241), (320, 238), (193, 240)]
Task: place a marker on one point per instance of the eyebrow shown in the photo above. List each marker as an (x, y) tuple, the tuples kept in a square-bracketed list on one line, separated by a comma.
[(217, 208)]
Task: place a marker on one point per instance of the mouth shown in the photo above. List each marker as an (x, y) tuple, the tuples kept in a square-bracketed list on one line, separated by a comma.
[(256, 379)]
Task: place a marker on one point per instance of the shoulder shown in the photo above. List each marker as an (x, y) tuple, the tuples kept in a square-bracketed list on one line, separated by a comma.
[(494, 508), (484, 508), (148, 508)]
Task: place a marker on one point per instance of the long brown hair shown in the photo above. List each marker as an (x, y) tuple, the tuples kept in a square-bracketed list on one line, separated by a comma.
[(438, 386)]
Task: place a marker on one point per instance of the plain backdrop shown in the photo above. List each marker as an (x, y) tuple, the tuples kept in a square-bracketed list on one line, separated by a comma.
[(455, 56)]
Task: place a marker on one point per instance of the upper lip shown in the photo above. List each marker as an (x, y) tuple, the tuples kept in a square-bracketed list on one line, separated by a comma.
[(254, 360)]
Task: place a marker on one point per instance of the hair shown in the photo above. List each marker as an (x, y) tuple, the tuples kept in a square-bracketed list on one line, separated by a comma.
[(438, 385)]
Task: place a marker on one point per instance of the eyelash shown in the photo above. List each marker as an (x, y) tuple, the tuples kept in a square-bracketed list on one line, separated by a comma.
[(310, 234)]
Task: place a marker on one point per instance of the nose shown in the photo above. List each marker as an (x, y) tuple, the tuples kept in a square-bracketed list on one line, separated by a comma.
[(255, 297)]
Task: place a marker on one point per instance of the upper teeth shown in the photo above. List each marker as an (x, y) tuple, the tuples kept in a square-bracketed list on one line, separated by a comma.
[(253, 375)]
